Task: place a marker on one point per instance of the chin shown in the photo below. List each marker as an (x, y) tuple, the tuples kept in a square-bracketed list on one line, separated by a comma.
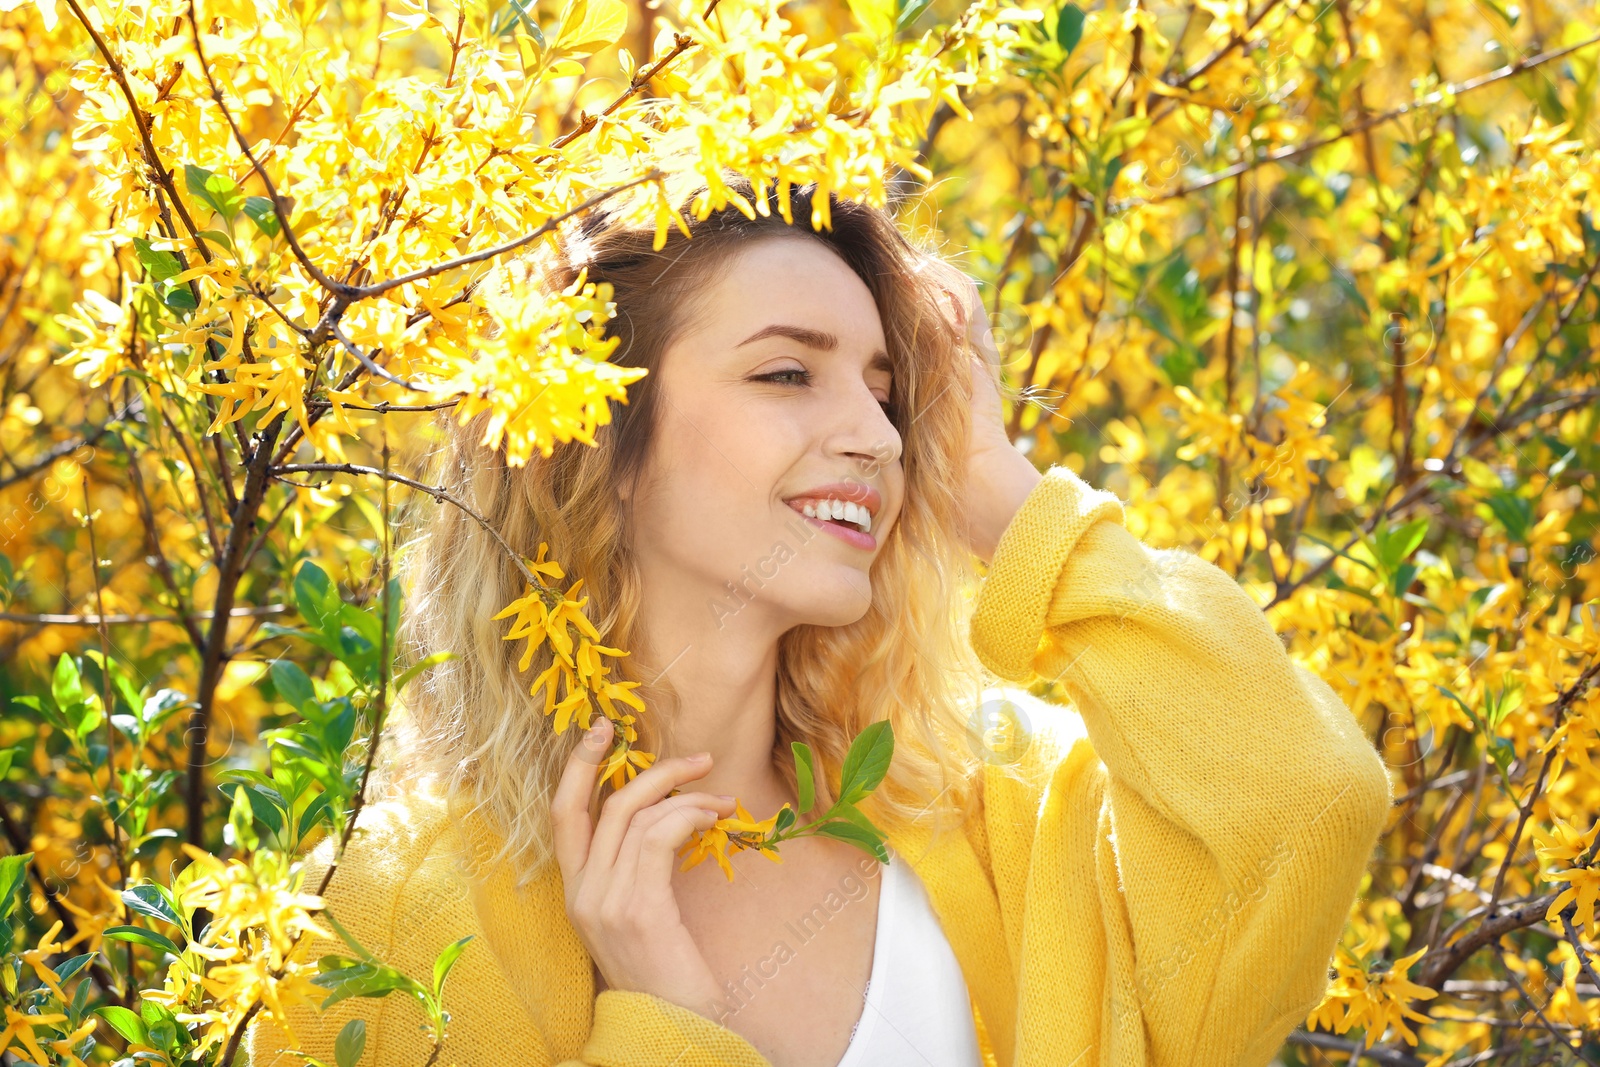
[(834, 599)]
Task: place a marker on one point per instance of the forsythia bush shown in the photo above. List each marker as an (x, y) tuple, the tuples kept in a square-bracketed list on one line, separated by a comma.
[(1311, 286)]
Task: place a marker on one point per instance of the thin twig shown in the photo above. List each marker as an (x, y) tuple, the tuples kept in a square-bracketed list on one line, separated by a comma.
[(438, 493)]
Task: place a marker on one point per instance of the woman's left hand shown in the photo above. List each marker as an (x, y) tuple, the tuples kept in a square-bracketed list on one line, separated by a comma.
[(999, 477)]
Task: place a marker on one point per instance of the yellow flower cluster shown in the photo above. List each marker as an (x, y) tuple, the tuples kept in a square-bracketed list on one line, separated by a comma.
[(258, 914), (541, 369), (1371, 995), (1566, 845), (546, 615)]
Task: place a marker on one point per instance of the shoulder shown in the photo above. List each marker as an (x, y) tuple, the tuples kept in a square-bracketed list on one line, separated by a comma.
[(401, 863)]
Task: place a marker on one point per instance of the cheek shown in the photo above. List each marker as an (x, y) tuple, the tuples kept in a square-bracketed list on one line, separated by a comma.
[(720, 461)]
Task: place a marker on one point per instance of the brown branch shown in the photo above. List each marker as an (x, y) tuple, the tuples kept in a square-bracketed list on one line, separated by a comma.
[(215, 649), (439, 493), (1577, 946), (1558, 711), (361, 292), (1222, 53), (368, 362), (261, 172), (115, 619), (196, 467), (1443, 961), (153, 548), (65, 448), (641, 78)]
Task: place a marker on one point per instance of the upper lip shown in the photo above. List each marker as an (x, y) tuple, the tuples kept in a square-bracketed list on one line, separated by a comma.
[(856, 492)]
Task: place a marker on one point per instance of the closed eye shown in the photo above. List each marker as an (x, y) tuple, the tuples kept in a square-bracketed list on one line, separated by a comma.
[(801, 376)]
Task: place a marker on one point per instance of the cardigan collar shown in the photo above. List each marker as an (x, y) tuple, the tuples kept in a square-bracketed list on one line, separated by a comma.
[(551, 974)]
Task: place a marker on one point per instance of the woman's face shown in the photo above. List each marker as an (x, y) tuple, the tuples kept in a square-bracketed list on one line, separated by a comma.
[(773, 400)]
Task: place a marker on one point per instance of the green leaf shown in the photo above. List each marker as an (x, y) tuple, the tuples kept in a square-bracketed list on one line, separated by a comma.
[(855, 835), (856, 816), (293, 684), (151, 900), (13, 872), (867, 761), (1514, 512), (126, 1023), (180, 298), (447, 959), (1396, 544), (348, 979), (261, 808), (317, 809), (218, 237), (160, 1023), (1069, 27), (420, 666), (158, 263), (804, 774), (71, 967), (317, 598), (259, 209), (590, 25), (140, 936), (216, 190), (348, 938), (351, 1043), (66, 686), (908, 14)]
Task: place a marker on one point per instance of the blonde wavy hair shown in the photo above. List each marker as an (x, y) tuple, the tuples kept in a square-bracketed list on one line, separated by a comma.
[(470, 724)]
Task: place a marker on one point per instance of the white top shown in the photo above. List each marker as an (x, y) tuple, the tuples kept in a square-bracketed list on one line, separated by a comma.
[(916, 1011)]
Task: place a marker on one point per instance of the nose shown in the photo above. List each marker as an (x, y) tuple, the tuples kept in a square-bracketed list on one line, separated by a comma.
[(860, 430)]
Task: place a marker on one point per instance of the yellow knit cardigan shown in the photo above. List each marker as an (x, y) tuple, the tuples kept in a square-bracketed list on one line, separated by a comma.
[(1164, 884)]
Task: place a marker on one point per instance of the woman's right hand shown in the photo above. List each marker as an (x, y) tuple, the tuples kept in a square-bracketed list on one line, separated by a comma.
[(617, 872)]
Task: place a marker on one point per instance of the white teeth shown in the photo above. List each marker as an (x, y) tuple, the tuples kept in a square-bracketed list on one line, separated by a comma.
[(844, 510)]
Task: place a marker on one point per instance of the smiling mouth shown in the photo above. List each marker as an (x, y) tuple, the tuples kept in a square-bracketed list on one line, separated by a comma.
[(849, 515)]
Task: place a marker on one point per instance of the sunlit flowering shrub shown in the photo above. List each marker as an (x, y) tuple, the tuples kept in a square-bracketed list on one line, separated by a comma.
[(1310, 286)]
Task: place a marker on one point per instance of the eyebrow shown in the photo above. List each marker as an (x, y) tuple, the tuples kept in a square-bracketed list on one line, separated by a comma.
[(820, 340)]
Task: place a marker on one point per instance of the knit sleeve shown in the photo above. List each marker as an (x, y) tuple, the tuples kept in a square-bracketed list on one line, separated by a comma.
[(1227, 801), (639, 1030)]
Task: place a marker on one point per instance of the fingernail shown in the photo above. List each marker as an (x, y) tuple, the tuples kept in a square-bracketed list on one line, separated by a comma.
[(595, 733), (723, 796), (699, 757), (713, 814)]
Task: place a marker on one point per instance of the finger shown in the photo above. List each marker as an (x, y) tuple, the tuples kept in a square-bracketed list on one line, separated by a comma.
[(683, 802), (648, 787), (637, 860), (569, 807)]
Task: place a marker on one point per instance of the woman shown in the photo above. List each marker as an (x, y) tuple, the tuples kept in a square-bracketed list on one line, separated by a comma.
[(1158, 879)]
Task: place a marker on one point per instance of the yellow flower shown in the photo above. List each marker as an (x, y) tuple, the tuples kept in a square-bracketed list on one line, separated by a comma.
[(19, 1028), (739, 833), (34, 958), (1372, 996), (1565, 844), (63, 1045)]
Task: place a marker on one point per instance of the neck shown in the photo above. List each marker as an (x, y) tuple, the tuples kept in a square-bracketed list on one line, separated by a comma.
[(724, 671)]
